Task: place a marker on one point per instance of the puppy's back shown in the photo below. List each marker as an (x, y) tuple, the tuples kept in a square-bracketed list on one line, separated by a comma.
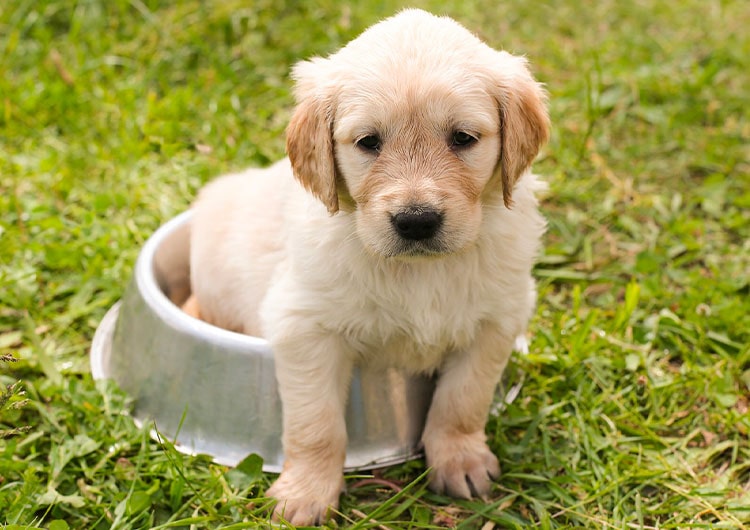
[(236, 243)]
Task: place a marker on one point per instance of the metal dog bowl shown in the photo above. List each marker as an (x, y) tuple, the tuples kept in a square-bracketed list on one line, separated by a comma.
[(213, 391)]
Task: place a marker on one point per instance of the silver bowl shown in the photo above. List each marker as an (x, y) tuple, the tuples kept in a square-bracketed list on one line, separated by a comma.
[(213, 391)]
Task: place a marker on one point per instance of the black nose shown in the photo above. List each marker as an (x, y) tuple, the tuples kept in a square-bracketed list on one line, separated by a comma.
[(417, 223)]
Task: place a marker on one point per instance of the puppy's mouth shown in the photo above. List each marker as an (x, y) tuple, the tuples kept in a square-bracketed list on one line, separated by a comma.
[(417, 249)]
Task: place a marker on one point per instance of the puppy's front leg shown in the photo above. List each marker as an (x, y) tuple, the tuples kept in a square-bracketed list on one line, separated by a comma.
[(454, 439), (313, 370)]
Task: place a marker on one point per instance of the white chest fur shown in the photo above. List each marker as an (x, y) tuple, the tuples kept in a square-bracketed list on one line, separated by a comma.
[(406, 314)]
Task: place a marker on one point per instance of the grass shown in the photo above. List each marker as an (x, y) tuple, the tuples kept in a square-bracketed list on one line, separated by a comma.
[(634, 411)]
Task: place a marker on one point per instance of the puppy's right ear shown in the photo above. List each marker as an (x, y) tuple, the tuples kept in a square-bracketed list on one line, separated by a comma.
[(309, 137)]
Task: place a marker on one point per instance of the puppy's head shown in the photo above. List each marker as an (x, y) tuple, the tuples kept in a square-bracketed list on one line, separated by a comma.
[(412, 127)]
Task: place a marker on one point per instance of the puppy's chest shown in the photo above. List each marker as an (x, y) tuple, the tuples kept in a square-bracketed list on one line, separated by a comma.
[(413, 322)]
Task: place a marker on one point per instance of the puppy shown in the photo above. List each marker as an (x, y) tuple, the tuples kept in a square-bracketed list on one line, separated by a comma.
[(401, 230)]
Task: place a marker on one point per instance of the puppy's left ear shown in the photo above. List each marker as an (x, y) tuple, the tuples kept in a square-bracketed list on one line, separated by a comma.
[(524, 123), (309, 137)]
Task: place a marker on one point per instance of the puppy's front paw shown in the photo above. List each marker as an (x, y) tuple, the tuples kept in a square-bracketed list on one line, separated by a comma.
[(305, 498), (462, 464)]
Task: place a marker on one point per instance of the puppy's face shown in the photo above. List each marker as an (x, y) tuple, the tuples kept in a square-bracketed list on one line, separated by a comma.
[(416, 161), (411, 128)]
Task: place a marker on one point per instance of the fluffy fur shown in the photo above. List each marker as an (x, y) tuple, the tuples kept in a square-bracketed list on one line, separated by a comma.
[(416, 117)]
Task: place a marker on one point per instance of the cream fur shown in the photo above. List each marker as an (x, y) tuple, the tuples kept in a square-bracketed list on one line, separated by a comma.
[(326, 278)]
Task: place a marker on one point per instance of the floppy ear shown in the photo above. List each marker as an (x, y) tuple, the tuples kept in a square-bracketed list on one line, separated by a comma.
[(524, 123), (309, 137)]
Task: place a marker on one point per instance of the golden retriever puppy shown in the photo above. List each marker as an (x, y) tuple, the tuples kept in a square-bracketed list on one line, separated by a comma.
[(401, 230)]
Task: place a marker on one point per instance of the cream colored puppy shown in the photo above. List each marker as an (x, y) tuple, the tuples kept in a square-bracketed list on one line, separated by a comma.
[(401, 230)]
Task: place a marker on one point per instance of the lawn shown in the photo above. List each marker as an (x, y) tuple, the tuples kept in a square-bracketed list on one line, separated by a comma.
[(634, 407)]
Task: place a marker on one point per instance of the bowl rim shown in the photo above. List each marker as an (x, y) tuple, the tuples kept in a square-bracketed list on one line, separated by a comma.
[(171, 314)]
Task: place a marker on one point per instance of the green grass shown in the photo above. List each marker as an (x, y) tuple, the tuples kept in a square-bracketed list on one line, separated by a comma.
[(634, 411)]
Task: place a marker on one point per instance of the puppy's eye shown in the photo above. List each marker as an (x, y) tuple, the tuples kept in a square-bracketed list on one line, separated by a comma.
[(371, 142), (462, 139)]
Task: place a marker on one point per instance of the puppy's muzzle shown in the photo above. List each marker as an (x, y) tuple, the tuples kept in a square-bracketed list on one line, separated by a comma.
[(417, 223)]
